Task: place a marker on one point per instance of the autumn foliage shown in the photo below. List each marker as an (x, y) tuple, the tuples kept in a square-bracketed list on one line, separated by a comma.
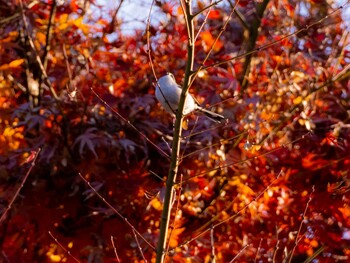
[(271, 184)]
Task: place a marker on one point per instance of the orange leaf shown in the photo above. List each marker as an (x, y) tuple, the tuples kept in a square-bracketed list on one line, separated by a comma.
[(210, 40), (313, 162), (74, 6), (214, 14), (173, 242), (16, 63)]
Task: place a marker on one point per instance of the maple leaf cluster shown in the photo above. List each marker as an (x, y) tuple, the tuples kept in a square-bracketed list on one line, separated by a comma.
[(269, 184)]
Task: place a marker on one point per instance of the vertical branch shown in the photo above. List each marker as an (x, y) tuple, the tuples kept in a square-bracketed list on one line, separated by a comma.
[(49, 33), (176, 210), (38, 59), (47, 47), (253, 35), (175, 160)]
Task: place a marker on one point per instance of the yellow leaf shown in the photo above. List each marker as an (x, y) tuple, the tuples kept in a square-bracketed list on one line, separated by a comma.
[(63, 18), (173, 242), (298, 100), (78, 22), (62, 26), (41, 38), (55, 258), (83, 27), (63, 22), (16, 63), (156, 204)]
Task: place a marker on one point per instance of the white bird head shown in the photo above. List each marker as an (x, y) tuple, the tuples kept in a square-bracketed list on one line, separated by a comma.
[(167, 80)]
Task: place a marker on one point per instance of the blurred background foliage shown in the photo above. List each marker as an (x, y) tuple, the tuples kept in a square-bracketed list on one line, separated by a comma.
[(246, 186)]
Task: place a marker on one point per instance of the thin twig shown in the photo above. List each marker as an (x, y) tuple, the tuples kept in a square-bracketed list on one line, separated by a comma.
[(116, 211), (275, 42), (156, 175), (215, 144), (129, 123), (212, 244), (297, 239), (207, 7), (139, 247), (148, 51), (247, 159), (70, 89), (275, 251), (223, 28), (114, 16), (239, 253), (232, 216), (205, 19), (188, 139), (115, 249), (258, 250), (31, 158), (63, 248), (212, 128), (148, 32), (276, 247), (240, 16)]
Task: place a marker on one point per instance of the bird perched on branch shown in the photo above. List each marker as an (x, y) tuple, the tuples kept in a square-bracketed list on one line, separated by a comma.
[(168, 93)]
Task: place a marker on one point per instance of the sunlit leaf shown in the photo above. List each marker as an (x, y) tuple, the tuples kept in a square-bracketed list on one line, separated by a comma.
[(210, 40), (214, 14)]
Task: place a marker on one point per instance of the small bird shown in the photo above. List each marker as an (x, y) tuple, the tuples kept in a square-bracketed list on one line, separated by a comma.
[(168, 93)]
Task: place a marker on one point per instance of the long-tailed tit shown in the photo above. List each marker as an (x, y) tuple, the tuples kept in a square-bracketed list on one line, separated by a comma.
[(168, 93)]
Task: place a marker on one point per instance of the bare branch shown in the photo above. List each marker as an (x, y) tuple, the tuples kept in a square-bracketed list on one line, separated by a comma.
[(305, 28), (32, 158), (38, 60), (116, 211), (201, 233), (174, 165), (201, 67), (212, 244), (206, 8), (115, 249), (253, 36), (246, 160), (139, 247), (63, 248), (297, 239), (49, 33), (239, 253), (129, 123)]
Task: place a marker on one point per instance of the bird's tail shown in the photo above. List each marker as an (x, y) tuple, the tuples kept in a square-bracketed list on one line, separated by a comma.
[(211, 115)]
